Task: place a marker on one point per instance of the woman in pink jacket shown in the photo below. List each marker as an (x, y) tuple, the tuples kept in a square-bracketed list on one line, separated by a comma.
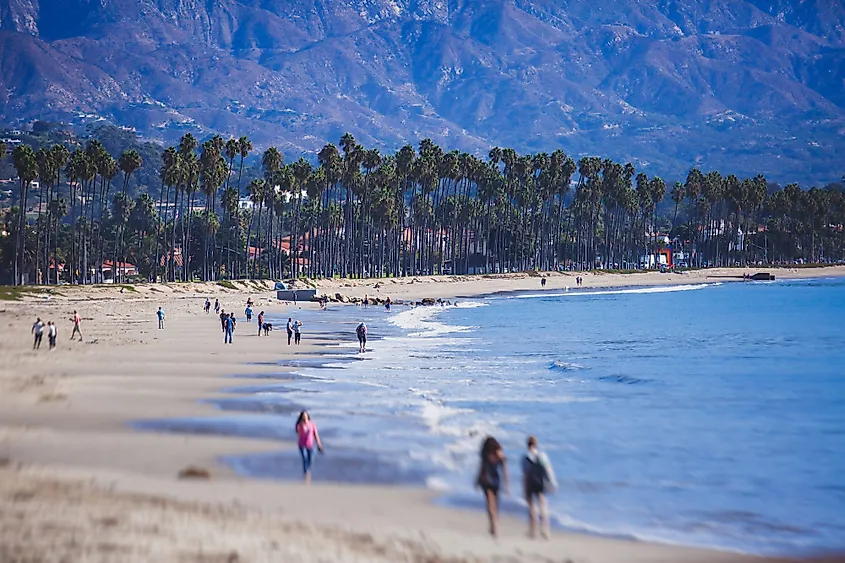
[(308, 438)]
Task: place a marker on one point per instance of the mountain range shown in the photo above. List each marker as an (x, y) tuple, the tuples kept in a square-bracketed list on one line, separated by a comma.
[(743, 86)]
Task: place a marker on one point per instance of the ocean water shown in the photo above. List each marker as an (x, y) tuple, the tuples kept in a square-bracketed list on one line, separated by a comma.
[(709, 415)]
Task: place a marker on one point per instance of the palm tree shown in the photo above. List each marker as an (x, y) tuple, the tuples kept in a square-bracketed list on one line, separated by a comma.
[(46, 171), (363, 214), (255, 189), (59, 155), (26, 166), (129, 162), (229, 201), (58, 209), (244, 148), (301, 170), (271, 161), (187, 145)]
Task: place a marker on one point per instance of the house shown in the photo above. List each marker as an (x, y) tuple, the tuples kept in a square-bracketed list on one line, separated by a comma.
[(10, 144), (122, 269), (177, 258)]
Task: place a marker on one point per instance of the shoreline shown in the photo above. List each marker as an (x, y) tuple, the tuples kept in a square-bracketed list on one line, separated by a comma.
[(64, 425), (482, 285)]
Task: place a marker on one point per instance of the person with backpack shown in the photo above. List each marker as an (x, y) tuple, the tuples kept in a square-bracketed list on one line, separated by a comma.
[(538, 479)]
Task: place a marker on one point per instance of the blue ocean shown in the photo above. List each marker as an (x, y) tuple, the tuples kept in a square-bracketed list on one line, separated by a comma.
[(707, 415)]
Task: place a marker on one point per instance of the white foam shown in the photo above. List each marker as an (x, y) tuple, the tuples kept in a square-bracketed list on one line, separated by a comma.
[(437, 484), (638, 290), (420, 319), (469, 304)]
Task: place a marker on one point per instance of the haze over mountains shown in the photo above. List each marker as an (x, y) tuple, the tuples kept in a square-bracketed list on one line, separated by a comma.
[(744, 86)]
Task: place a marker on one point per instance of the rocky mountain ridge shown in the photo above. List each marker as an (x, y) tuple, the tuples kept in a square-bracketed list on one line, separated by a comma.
[(746, 86)]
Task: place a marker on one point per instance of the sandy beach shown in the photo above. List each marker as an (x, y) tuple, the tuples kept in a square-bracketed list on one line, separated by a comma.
[(450, 287), (78, 483)]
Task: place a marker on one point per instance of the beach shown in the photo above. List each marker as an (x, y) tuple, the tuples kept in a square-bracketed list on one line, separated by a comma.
[(80, 482)]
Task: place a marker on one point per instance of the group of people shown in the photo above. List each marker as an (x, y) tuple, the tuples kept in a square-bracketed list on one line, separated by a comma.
[(538, 479), (228, 322), (39, 327), (294, 330), (579, 281)]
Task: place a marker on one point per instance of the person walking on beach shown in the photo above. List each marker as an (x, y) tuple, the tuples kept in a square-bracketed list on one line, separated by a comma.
[(51, 334), (361, 331), (38, 331), (248, 313), (260, 322), (306, 430), (216, 306), (387, 304), (228, 328), (366, 302), (538, 479), (160, 315), (543, 282), (207, 306), (76, 322), (297, 335), (289, 329), (223, 316), (492, 461)]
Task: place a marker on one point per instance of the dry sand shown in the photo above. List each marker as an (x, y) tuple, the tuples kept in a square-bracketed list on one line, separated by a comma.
[(78, 484)]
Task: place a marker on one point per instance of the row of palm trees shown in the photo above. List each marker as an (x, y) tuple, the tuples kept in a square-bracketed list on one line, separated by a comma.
[(356, 213)]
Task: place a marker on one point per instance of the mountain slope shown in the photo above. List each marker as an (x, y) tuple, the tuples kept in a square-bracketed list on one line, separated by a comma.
[(747, 86)]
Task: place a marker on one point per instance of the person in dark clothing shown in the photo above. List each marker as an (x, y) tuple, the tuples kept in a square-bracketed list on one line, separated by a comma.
[(361, 331), (538, 479), (290, 329), (228, 328), (223, 317), (297, 334), (490, 481)]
